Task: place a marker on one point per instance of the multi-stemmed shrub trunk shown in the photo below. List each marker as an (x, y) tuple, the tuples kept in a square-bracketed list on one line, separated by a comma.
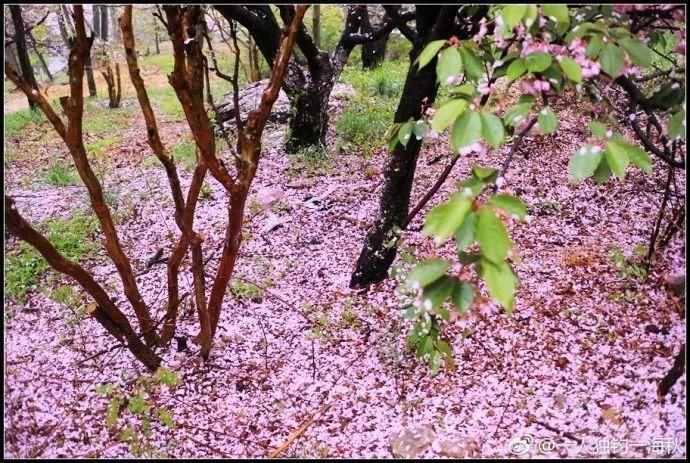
[(188, 83), (114, 84)]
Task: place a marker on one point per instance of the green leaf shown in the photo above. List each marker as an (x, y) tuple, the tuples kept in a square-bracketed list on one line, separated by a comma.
[(639, 52), (538, 61), (512, 14), (571, 69), (515, 115), (127, 434), (494, 242), (430, 52), (473, 67), (436, 293), (511, 204), (444, 219), (556, 13), (444, 348), (501, 282), (676, 125), (167, 376), (602, 173), (594, 47), (425, 347), (464, 235), (492, 129), (598, 129), (548, 122), (465, 89), (640, 158), (405, 133), (466, 130), (427, 272), (612, 60), (447, 113), (462, 296), (485, 174), (617, 158), (112, 412), (449, 64), (584, 163), (466, 258), (516, 69), (419, 129), (104, 389)]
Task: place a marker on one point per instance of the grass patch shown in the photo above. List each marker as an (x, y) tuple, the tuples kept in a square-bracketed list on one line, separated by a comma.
[(312, 159), (184, 154), (72, 237), (163, 61), (16, 121), (97, 148), (366, 118), (242, 290), (60, 174), (98, 120), (166, 100)]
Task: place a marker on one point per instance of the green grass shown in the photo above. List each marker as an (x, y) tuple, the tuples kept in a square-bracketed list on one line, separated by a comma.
[(16, 121), (99, 120), (184, 154), (163, 61), (166, 100), (72, 237), (366, 118), (60, 174), (312, 159), (98, 147)]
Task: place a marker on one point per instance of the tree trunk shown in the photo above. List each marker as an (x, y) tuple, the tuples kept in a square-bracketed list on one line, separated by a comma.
[(316, 25), (420, 89), (91, 82), (155, 32), (117, 37), (68, 19), (63, 29), (11, 56), (96, 19), (104, 22), (373, 53), (38, 53), (22, 55)]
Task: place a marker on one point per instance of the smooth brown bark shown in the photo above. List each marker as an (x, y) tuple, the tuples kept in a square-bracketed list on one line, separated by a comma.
[(106, 312), (114, 84)]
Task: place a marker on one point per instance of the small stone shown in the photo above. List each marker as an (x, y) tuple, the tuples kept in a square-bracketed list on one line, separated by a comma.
[(411, 442), (456, 446)]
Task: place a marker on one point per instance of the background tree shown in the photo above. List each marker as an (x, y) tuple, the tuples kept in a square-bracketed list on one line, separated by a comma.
[(22, 54), (310, 89), (373, 53)]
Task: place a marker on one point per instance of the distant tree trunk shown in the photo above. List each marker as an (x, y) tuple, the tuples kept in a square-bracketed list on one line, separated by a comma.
[(38, 53), (373, 53), (117, 36), (68, 19), (254, 67), (104, 22), (88, 68), (96, 19), (22, 55), (316, 25), (155, 32), (63, 28)]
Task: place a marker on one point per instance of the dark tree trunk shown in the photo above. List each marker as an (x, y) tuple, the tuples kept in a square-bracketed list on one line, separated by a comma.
[(11, 56), (22, 54), (38, 53), (420, 89), (373, 53), (68, 19), (104, 22), (88, 68), (96, 19)]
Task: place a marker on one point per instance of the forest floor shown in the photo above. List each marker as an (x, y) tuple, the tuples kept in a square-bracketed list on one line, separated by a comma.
[(578, 362)]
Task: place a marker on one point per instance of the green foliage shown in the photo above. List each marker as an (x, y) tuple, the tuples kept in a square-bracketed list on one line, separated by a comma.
[(617, 155), (184, 153), (139, 408), (205, 192), (365, 119), (60, 174), (167, 102), (72, 237), (245, 290), (99, 120), (97, 148), (632, 267), (16, 121)]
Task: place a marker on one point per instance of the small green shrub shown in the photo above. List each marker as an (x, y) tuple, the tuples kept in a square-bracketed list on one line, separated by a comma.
[(363, 125), (205, 192), (242, 290), (60, 174)]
